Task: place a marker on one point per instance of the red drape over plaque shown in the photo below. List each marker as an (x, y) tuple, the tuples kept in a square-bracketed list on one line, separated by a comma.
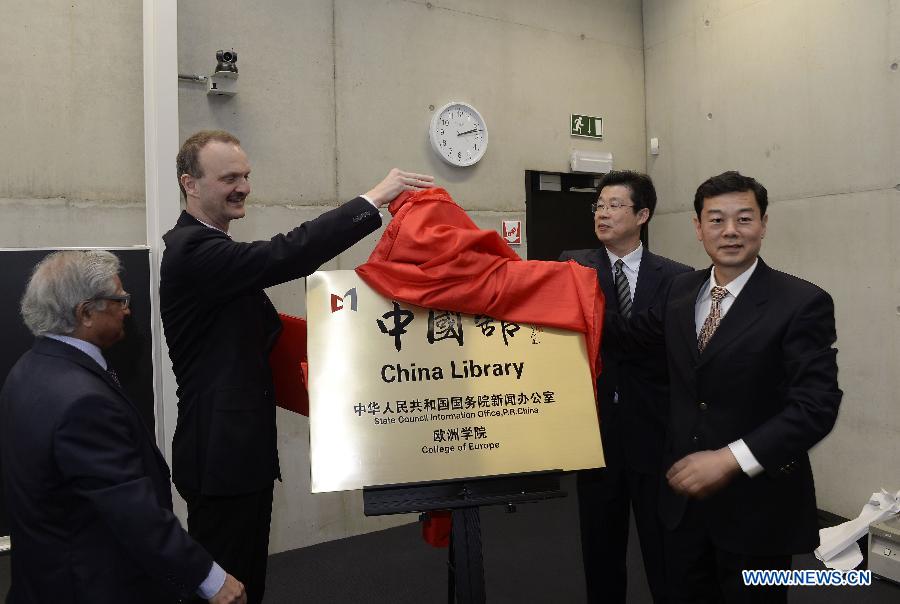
[(433, 255), (288, 362)]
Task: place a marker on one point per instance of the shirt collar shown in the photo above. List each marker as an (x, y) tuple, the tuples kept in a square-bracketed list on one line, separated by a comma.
[(737, 284), (210, 226), (632, 259), (92, 350)]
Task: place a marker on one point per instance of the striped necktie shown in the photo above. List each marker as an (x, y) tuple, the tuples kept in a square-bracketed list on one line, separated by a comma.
[(717, 294), (623, 291)]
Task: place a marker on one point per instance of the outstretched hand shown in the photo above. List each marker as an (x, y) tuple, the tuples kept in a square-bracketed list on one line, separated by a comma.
[(397, 181)]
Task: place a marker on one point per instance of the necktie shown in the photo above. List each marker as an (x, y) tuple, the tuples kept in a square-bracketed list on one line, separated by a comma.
[(718, 294), (115, 377), (622, 290)]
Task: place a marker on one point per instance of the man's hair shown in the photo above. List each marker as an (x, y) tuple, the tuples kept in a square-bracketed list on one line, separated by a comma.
[(188, 160), (643, 193), (60, 282), (731, 182)]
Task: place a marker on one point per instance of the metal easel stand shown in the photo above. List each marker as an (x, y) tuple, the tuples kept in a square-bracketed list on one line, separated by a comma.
[(464, 497)]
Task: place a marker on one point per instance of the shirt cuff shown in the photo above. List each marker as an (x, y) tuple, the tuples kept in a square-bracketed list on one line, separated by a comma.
[(745, 458), (366, 197), (213, 582)]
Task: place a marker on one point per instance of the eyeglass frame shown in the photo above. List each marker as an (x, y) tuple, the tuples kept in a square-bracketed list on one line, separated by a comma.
[(613, 206), (123, 299)]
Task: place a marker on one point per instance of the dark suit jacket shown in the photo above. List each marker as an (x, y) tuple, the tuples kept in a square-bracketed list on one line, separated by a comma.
[(768, 376), (633, 430), (87, 489), (220, 328)]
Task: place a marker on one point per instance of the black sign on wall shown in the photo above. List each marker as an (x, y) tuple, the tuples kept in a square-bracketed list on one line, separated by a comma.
[(132, 357)]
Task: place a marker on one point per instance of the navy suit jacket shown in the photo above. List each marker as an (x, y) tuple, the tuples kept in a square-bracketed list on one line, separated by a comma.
[(633, 430), (87, 489), (768, 376), (220, 327)]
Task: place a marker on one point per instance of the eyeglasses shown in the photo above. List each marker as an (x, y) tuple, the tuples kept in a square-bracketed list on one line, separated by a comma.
[(612, 206), (124, 299)]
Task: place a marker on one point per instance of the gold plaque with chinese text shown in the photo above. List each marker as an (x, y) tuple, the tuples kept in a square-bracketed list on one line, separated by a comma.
[(404, 394)]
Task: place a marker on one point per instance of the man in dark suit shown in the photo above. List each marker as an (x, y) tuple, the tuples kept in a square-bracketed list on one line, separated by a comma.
[(753, 387), (220, 328), (87, 489), (633, 399)]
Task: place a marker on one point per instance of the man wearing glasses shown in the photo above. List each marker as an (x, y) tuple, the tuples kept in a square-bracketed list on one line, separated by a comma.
[(632, 399), (87, 490)]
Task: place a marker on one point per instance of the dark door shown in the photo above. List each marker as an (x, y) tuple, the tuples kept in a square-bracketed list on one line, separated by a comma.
[(557, 220)]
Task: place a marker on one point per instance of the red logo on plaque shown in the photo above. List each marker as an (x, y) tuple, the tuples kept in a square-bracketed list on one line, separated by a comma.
[(337, 302)]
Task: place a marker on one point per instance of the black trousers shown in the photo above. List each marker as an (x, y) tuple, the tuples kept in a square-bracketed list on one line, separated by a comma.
[(700, 573), (605, 498), (235, 531)]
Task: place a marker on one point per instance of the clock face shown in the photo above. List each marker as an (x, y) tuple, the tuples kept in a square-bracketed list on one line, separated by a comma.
[(458, 134)]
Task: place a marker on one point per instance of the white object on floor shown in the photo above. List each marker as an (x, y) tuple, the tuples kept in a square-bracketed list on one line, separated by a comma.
[(837, 544)]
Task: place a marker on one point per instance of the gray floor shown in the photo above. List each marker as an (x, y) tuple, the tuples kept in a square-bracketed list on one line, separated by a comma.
[(532, 555)]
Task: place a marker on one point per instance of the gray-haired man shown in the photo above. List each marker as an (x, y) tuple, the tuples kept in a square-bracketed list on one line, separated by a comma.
[(86, 488)]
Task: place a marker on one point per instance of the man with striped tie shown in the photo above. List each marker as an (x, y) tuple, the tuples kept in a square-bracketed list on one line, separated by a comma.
[(753, 387), (632, 399)]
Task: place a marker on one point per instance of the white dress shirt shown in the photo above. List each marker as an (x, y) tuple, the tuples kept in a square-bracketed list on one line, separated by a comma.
[(631, 266), (745, 458)]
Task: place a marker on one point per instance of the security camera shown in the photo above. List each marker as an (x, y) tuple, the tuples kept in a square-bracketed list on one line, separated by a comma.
[(227, 60)]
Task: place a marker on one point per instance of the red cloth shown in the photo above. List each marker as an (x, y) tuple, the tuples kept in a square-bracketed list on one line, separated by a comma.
[(288, 363), (433, 255), (436, 528)]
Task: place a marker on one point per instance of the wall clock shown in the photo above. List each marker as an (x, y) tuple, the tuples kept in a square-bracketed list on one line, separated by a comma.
[(458, 134)]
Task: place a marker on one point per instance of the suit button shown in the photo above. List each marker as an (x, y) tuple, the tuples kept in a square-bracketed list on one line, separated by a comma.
[(695, 438), (703, 406)]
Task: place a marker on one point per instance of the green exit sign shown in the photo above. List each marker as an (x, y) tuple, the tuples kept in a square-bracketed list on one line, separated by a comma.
[(587, 125)]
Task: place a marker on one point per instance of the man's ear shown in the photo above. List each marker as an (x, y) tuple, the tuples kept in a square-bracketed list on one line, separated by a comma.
[(643, 215), (84, 314), (189, 183)]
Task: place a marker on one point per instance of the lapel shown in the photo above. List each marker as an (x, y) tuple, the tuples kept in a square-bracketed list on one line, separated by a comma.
[(649, 278), (598, 260), (743, 314), (604, 275), (62, 350), (683, 308)]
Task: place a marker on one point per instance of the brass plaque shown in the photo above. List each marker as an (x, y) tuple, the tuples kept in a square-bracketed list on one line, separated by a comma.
[(400, 393)]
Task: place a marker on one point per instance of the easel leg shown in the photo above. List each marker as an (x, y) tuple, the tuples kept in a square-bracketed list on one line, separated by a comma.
[(466, 561)]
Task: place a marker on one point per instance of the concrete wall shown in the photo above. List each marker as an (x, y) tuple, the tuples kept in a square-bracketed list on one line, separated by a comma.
[(72, 125), (804, 95)]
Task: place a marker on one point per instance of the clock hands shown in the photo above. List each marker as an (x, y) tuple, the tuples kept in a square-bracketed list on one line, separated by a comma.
[(470, 131)]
